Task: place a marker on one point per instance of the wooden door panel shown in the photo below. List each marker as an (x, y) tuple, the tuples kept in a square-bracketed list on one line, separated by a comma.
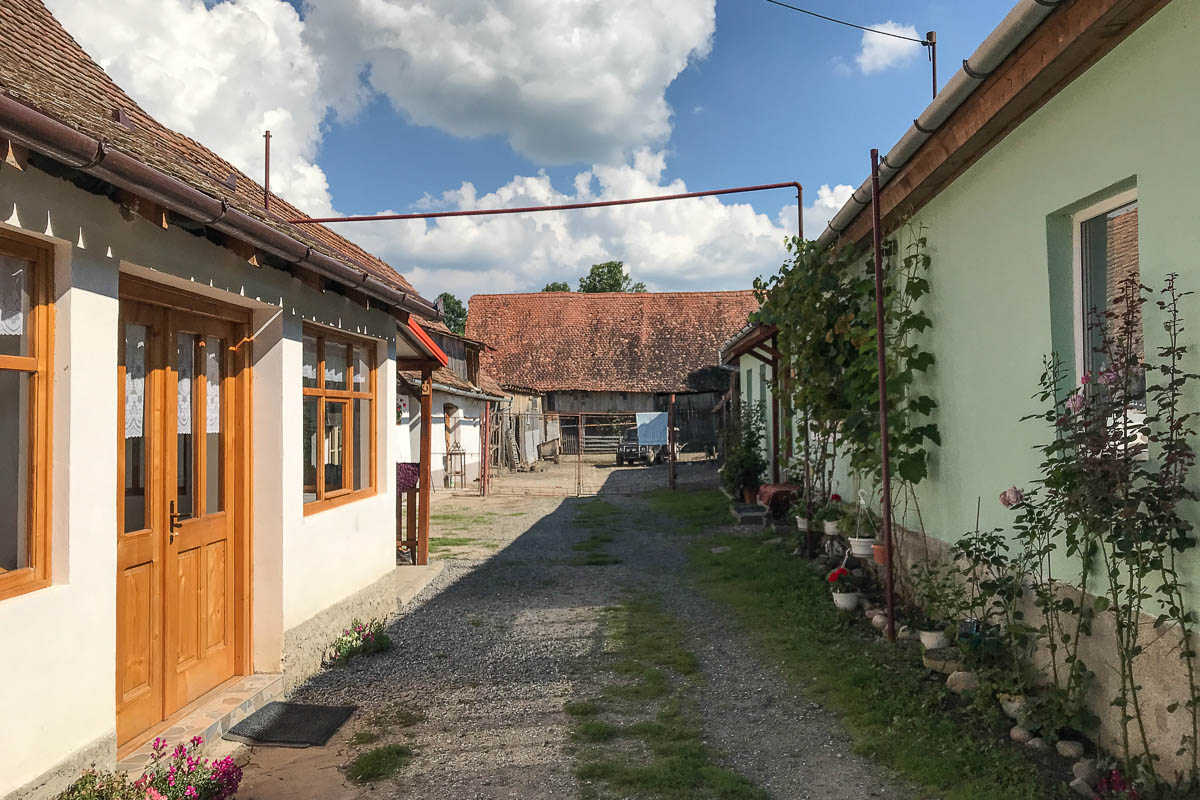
[(216, 601), (188, 596), (138, 643)]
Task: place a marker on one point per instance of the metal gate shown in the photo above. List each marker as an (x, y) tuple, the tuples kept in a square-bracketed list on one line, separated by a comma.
[(566, 454)]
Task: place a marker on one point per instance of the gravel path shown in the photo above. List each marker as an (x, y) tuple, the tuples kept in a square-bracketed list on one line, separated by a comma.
[(489, 652)]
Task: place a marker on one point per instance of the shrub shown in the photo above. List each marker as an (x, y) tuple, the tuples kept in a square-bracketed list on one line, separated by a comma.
[(745, 463), (181, 775), (360, 639)]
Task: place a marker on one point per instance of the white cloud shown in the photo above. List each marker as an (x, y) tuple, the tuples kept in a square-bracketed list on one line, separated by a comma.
[(564, 82), (884, 52), (221, 75), (828, 202), (698, 244)]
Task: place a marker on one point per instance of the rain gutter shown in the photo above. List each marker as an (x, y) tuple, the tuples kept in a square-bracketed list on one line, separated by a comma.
[(39, 132), (1020, 22)]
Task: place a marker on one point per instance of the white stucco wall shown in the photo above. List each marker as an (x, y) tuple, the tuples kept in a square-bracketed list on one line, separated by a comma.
[(57, 688), (406, 434)]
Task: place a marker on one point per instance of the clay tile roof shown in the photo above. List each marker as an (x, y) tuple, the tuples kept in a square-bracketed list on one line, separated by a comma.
[(43, 67), (643, 342)]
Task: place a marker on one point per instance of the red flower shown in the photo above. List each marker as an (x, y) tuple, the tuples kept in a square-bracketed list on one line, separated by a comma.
[(835, 498)]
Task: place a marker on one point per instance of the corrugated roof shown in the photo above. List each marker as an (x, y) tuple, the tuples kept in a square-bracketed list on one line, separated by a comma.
[(44, 68), (635, 342)]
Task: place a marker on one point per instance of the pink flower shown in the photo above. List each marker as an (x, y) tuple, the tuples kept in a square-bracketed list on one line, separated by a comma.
[(1086, 379), (1012, 496), (1075, 403), (152, 794), (1108, 377)]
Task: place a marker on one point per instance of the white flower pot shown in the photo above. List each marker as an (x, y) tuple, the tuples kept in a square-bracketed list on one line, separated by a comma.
[(933, 640), (802, 524), (862, 547), (831, 528), (846, 601)]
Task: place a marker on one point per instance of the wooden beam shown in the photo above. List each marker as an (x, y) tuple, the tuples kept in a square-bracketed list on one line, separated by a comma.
[(247, 252), (416, 363), (131, 204), (1064, 46), (13, 155), (426, 479)]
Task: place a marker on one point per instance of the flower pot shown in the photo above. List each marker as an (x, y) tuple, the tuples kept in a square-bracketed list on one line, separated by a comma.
[(748, 495), (802, 524), (846, 601), (831, 528), (861, 547), (933, 640), (879, 552)]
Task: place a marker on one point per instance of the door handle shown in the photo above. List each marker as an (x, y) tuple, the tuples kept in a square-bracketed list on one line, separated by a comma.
[(174, 522)]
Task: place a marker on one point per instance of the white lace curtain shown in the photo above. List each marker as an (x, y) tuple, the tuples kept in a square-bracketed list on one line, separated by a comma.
[(12, 296), (135, 385)]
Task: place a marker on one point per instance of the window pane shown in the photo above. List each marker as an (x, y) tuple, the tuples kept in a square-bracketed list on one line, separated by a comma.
[(335, 439), (310, 449), (309, 369), (336, 362), (185, 449), (135, 427), (214, 452), (14, 470), (362, 371), (1110, 267), (14, 306), (362, 443)]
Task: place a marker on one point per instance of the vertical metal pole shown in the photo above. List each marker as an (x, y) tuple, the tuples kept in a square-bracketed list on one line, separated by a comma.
[(671, 441), (775, 406), (267, 173), (799, 214), (931, 39), (484, 447), (881, 355), (426, 484), (579, 456)]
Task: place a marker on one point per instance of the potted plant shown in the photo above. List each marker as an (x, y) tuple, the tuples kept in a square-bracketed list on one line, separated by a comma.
[(939, 598), (845, 588), (860, 525), (746, 463), (879, 553), (831, 514)]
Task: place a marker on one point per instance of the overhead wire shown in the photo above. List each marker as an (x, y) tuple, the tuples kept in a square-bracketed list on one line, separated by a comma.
[(849, 24)]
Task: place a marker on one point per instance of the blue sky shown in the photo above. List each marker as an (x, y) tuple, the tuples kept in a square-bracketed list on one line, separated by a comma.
[(391, 105), (765, 106)]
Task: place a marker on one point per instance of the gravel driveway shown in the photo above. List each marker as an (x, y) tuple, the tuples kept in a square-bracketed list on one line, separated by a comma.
[(488, 654)]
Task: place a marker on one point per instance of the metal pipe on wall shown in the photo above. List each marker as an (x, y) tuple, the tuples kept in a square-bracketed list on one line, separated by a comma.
[(881, 355)]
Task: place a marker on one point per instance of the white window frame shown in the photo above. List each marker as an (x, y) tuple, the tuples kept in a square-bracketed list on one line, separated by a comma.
[(1081, 311)]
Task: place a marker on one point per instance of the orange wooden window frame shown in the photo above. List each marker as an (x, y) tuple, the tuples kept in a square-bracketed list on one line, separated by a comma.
[(326, 498), (39, 366)]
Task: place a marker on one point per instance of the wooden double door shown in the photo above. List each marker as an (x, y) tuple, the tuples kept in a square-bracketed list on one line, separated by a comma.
[(179, 614)]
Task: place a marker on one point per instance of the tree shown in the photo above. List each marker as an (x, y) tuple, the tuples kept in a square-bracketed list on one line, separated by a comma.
[(557, 286), (454, 313), (609, 277)]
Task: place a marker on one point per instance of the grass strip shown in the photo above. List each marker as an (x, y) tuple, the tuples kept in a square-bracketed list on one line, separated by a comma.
[(380, 763), (645, 708), (895, 710), (694, 511)]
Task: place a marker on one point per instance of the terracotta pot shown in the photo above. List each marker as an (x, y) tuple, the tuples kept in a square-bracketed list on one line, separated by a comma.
[(879, 551), (748, 495)]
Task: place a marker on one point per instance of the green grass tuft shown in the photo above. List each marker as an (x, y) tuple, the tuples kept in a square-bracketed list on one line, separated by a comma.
[(364, 737), (581, 708), (695, 511), (380, 763)]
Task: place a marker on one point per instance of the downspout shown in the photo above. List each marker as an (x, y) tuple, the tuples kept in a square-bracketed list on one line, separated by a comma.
[(38, 132)]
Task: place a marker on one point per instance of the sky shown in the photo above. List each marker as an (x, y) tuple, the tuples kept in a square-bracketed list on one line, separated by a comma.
[(380, 106)]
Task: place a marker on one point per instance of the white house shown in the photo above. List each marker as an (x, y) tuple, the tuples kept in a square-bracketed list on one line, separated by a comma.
[(196, 398)]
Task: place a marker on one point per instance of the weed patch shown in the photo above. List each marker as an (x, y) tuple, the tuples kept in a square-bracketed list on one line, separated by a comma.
[(364, 737), (646, 706), (380, 763)]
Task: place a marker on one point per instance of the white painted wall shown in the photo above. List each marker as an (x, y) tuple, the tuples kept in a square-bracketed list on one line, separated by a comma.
[(406, 434), (57, 683)]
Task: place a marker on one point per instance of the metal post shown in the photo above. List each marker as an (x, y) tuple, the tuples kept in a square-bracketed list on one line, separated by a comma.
[(775, 406), (881, 356), (267, 173), (426, 484), (931, 41), (671, 441), (579, 456), (484, 446)]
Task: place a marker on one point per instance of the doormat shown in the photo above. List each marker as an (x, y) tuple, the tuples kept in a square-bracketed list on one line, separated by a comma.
[(290, 725)]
